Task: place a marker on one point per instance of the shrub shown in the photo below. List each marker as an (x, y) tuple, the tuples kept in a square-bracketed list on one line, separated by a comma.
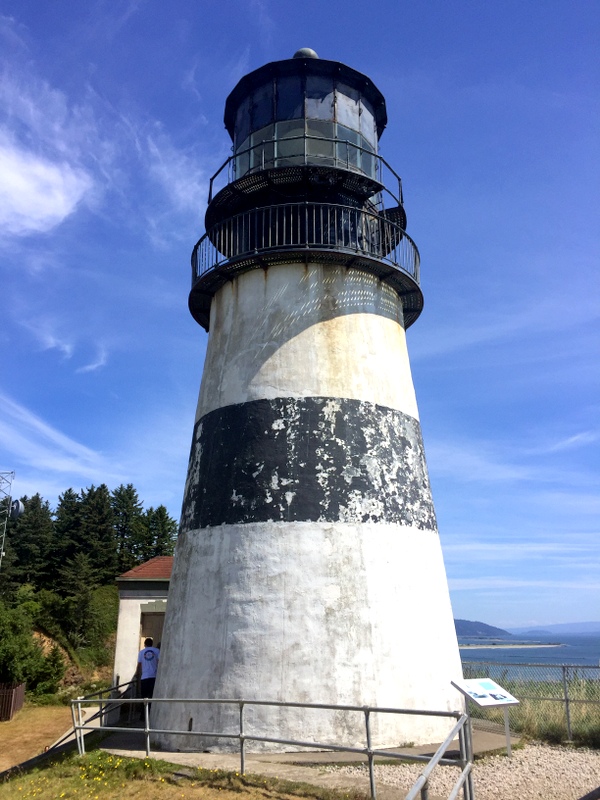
[(22, 658)]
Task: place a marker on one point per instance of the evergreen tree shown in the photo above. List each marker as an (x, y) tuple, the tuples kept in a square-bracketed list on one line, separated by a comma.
[(9, 579), (161, 533), (128, 522), (31, 539), (79, 579), (67, 528), (50, 673), (97, 533)]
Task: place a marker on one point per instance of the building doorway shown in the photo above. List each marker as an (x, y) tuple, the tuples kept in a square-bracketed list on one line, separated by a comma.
[(152, 626)]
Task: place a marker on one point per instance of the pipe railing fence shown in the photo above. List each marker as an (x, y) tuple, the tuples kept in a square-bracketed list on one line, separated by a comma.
[(460, 729)]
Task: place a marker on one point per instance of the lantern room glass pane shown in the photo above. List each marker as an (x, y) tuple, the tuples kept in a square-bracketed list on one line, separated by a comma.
[(320, 145), (368, 161), (242, 162), (242, 122), (347, 106), (263, 148), (367, 122), (262, 106), (348, 146), (319, 97), (290, 97), (290, 141)]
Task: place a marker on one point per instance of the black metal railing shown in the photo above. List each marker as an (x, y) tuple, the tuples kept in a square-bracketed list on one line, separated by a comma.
[(305, 226), (307, 150)]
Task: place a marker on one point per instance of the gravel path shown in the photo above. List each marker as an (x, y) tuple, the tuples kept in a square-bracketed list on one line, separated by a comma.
[(536, 771)]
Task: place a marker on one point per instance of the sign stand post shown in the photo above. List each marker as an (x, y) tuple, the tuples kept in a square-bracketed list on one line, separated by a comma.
[(487, 693), (507, 731)]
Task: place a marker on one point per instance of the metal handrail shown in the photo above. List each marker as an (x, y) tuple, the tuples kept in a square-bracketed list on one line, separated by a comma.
[(306, 225), (108, 690), (381, 165), (462, 728)]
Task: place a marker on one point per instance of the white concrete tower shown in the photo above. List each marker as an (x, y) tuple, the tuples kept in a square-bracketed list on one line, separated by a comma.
[(308, 566)]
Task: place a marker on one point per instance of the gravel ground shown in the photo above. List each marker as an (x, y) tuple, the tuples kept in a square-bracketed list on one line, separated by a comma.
[(535, 771)]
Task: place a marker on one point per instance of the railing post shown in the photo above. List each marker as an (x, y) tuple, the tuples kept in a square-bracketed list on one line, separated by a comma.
[(147, 725), (462, 747), (469, 790), (370, 754), (81, 733), (101, 709), (567, 702), (242, 741), (75, 730)]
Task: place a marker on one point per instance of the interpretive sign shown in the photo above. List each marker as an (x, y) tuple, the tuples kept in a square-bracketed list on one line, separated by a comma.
[(485, 692)]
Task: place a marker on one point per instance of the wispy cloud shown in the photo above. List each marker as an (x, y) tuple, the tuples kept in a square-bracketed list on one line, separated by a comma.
[(179, 174), (508, 461), (473, 461), (572, 442), (490, 582), (265, 21), (32, 442), (44, 178), (46, 334), (36, 192), (58, 151), (100, 361), (151, 454), (507, 550)]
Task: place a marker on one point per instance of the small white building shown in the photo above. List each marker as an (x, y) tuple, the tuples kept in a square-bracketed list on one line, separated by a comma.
[(143, 594)]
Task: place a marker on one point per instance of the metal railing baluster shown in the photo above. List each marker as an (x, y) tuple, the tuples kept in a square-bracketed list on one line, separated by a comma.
[(242, 741), (370, 755)]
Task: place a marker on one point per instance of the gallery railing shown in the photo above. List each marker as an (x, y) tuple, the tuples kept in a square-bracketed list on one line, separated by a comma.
[(307, 150), (358, 232)]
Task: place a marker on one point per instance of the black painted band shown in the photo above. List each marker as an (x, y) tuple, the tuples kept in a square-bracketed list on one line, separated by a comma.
[(307, 459)]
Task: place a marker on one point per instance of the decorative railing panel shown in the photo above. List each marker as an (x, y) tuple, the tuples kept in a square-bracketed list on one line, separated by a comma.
[(306, 226)]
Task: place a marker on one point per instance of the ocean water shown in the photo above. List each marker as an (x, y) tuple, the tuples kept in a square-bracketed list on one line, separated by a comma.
[(580, 650)]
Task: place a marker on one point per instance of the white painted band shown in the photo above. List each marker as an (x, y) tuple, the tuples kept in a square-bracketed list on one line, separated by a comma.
[(307, 331), (313, 612)]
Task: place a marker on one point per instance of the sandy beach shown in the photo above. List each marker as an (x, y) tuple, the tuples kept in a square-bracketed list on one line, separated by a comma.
[(498, 646)]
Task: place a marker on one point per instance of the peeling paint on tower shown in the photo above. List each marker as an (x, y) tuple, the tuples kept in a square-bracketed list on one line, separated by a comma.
[(307, 459)]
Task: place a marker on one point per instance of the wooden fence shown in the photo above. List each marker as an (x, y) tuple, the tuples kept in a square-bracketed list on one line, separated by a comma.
[(12, 696)]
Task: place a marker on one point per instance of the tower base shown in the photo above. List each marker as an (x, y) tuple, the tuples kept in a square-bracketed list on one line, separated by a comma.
[(332, 612)]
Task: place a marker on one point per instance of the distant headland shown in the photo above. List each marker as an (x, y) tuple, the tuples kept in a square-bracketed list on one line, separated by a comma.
[(478, 635), (479, 630)]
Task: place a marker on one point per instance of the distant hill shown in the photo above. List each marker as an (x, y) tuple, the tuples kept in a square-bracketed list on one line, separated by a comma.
[(564, 627), (465, 627), (537, 632)]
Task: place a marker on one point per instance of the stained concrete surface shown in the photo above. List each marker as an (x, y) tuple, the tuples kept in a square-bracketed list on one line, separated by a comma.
[(307, 767)]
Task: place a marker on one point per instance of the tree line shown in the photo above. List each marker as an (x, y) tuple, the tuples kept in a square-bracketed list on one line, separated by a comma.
[(58, 576)]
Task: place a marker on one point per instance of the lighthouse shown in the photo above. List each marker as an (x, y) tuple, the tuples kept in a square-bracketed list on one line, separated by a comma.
[(308, 566)]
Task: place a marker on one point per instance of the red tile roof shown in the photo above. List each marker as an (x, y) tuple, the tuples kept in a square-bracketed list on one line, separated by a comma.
[(157, 569)]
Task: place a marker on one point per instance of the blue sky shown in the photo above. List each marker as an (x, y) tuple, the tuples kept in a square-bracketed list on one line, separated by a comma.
[(110, 127)]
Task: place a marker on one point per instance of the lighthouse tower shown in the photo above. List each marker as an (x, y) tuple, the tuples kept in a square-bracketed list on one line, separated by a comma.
[(308, 566)]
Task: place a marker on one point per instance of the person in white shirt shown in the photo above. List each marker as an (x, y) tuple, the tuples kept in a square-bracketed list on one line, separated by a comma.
[(146, 668)]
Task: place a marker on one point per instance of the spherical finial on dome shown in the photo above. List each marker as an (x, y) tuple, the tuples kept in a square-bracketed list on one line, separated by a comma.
[(305, 52)]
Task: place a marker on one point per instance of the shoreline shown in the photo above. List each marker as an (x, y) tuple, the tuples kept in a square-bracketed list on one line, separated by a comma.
[(501, 646)]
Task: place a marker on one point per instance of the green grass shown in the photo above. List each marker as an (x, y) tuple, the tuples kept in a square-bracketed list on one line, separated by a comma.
[(102, 776)]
